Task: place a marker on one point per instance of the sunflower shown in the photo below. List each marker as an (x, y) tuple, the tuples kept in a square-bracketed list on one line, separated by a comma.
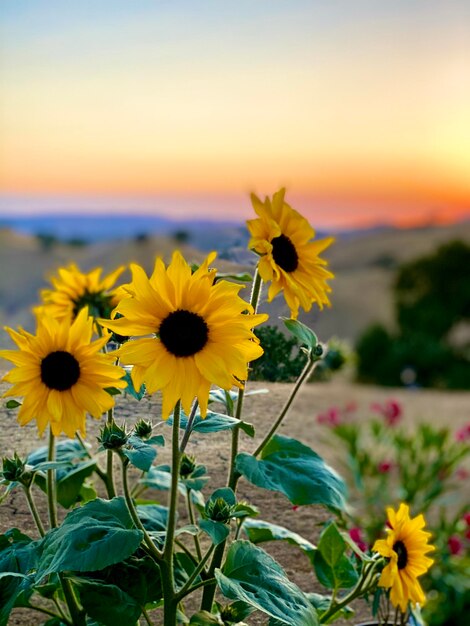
[(406, 546), (61, 374), (74, 290), (197, 332), (289, 259)]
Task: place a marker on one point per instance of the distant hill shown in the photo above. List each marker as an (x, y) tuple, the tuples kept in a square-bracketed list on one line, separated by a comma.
[(364, 266)]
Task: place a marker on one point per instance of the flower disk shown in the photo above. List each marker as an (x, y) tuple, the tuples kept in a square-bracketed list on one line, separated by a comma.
[(200, 332), (74, 290), (406, 546), (289, 259), (61, 373)]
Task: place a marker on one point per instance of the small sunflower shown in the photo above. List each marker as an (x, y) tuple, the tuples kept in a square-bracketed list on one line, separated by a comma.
[(197, 332), (406, 546), (74, 290), (61, 374), (289, 259)]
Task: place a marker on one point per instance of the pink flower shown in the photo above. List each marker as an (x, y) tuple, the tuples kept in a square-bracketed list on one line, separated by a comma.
[(461, 473), (454, 543), (463, 434), (295, 507), (466, 518), (357, 536), (331, 417), (391, 410), (384, 467)]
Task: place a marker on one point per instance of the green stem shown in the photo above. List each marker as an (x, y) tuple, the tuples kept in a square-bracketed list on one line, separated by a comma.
[(301, 379), (98, 469), (45, 611), (76, 612), (146, 616), (233, 475), (33, 510), (189, 426), (186, 589), (192, 520), (110, 487), (166, 565), (155, 552), (51, 487)]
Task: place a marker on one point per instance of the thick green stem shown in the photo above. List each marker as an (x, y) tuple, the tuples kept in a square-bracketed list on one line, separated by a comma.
[(166, 566), (233, 475), (155, 552), (33, 510), (110, 488), (51, 487), (189, 427), (301, 379)]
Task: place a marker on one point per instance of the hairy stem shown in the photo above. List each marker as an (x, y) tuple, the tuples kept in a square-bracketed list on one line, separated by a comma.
[(110, 487), (33, 510), (51, 486)]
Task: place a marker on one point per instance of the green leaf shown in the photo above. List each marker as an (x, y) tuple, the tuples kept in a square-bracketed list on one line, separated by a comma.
[(65, 450), (141, 455), (98, 534), (259, 531), (253, 576), (137, 394), (12, 404), (331, 545), (107, 604), (69, 480), (154, 517), (212, 423), (204, 618), (290, 467), (217, 531), (18, 556), (322, 604), (303, 333), (342, 575)]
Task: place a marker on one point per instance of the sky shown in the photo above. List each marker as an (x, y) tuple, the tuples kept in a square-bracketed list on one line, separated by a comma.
[(360, 108)]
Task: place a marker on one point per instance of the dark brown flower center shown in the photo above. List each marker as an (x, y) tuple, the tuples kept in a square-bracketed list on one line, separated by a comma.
[(60, 370), (400, 548), (183, 333), (284, 253)]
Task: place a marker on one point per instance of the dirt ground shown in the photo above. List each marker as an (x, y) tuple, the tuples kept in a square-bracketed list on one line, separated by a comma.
[(444, 408)]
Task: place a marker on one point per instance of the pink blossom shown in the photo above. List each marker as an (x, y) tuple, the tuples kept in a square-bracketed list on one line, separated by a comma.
[(461, 473), (384, 467), (466, 518), (331, 417), (357, 536), (454, 543), (391, 411), (463, 434)]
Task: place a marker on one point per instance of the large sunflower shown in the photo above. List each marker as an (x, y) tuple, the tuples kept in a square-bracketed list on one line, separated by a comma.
[(406, 546), (74, 290), (61, 374), (200, 332), (289, 259)]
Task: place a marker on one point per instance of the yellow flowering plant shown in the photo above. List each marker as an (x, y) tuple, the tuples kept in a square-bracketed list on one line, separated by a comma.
[(108, 555)]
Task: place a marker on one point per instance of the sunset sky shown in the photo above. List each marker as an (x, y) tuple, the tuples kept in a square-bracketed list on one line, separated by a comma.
[(360, 108)]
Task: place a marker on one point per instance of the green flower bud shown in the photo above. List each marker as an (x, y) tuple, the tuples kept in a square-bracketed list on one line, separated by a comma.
[(13, 469), (143, 429), (113, 437), (187, 466), (219, 510)]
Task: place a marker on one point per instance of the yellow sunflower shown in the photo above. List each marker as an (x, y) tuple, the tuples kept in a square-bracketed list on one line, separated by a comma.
[(61, 374), (74, 290), (406, 546), (289, 259), (197, 332)]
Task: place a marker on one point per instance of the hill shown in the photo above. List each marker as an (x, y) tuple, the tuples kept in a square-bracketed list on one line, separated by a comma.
[(364, 265)]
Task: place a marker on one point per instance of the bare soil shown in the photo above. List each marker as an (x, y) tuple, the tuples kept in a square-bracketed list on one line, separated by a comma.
[(443, 408)]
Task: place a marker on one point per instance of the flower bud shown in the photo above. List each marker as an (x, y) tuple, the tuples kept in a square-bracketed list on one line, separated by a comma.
[(187, 466), (143, 429), (113, 437), (13, 469), (219, 510)]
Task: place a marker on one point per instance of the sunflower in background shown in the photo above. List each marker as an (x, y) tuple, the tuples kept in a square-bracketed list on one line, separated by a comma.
[(74, 290), (406, 546), (61, 374), (193, 332), (289, 257)]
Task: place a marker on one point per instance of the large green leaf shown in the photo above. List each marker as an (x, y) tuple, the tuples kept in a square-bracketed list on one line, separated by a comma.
[(70, 480), (107, 604), (90, 538), (294, 469), (18, 557), (217, 531), (332, 567), (252, 575), (140, 454), (259, 531), (212, 423)]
